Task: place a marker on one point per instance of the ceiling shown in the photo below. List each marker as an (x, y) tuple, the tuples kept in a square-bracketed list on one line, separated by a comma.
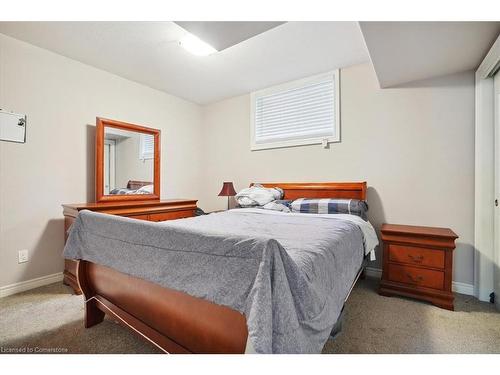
[(403, 52), (149, 53), (255, 55), (222, 35)]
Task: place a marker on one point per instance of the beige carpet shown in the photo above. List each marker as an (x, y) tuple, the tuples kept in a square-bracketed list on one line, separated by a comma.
[(376, 324), (50, 318)]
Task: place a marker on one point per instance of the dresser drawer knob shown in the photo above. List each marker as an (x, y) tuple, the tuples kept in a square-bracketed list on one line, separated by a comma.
[(417, 258), (415, 279)]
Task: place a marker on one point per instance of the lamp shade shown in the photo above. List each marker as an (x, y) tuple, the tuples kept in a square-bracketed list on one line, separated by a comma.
[(227, 190)]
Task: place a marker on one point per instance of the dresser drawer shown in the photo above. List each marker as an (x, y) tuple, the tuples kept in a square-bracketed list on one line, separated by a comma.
[(139, 217), (416, 276), (162, 216), (417, 256)]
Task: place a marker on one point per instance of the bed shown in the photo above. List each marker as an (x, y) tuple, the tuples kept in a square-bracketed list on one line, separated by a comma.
[(224, 282), (134, 187)]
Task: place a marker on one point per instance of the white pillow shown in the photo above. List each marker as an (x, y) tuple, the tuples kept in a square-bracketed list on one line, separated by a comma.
[(276, 207), (257, 195), (146, 189)]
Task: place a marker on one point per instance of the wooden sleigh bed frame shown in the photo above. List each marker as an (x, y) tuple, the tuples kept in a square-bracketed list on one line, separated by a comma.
[(174, 321)]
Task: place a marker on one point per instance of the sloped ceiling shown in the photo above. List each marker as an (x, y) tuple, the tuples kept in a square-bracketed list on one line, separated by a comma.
[(403, 52)]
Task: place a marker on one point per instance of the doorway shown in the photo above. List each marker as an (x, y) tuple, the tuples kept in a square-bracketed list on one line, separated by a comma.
[(109, 165), (496, 250)]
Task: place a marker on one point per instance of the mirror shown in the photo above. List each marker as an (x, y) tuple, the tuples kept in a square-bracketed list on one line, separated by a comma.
[(127, 161)]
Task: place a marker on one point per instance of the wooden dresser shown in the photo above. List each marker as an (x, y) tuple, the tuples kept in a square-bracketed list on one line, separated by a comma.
[(418, 263), (157, 210)]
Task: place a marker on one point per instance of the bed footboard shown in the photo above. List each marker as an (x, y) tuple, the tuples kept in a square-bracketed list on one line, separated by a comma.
[(173, 321)]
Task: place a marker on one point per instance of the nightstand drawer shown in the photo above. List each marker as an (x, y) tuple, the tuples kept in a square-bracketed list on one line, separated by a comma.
[(416, 276), (416, 255)]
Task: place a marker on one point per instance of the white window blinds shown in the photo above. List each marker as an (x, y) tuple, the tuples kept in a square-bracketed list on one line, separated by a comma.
[(147, 146), (301, 112)]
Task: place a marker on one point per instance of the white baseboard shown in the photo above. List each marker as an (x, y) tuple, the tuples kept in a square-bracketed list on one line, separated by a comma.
[(456, 286), (462, 288), (22, 286)]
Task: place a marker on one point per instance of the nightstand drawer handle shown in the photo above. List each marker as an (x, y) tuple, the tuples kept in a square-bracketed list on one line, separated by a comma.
[(416, 279), (416, 259)]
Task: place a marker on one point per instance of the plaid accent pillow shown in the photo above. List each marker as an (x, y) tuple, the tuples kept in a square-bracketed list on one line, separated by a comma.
[(330, 206)]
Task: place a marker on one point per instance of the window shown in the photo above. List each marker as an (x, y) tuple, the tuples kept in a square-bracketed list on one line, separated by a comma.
[(297, 113), (147, 147)]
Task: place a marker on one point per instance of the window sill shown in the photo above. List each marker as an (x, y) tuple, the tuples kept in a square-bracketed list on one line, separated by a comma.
[(294, 143)]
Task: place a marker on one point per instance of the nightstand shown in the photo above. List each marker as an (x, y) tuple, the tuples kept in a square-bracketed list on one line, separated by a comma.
[(418, 263)]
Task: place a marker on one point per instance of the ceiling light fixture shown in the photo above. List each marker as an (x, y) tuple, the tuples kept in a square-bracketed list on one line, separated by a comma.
[(196, 46)]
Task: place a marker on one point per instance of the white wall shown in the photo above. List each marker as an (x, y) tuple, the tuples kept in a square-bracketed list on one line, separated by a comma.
[(414, 146), (61, 98), (128, 166)]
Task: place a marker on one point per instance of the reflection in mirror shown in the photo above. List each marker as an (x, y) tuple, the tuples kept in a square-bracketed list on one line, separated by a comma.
[(128, 162)]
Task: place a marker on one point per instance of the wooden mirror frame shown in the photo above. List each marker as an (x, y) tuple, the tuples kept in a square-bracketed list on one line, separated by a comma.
[(101, 124)]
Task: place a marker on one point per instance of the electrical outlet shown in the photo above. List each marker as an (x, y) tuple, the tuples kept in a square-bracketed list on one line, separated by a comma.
[(22, 256)]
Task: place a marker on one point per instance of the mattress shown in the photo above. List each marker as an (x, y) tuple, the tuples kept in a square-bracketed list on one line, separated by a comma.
[(289, 274)]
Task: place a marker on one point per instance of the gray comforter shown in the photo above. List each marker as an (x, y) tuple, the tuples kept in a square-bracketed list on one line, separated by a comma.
[(289, 275)]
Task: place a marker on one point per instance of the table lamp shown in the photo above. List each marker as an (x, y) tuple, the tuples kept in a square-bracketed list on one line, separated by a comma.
[(227, 191)]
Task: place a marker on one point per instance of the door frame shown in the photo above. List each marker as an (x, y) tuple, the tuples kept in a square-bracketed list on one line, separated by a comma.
[(484, 208), (112, 163)]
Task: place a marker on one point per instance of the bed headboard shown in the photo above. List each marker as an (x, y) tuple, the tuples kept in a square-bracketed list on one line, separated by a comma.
[(134, 185), (347, 190)]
